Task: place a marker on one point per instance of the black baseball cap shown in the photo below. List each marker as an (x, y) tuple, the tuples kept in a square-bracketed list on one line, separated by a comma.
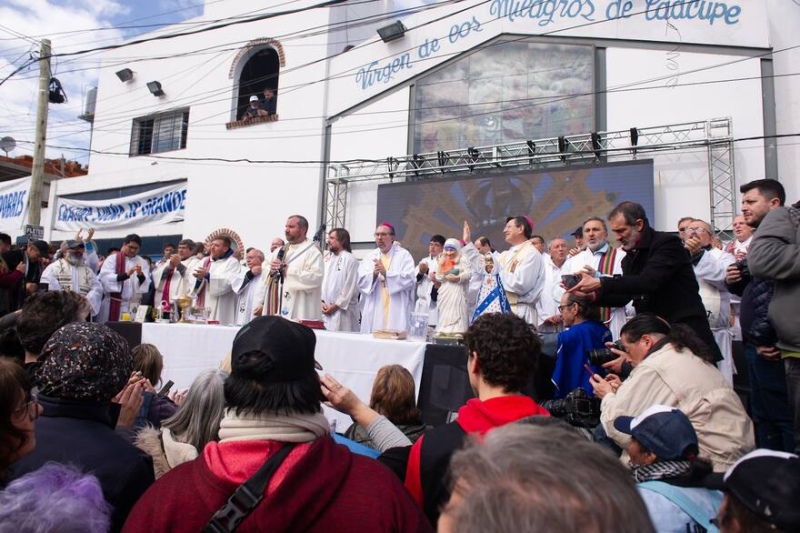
[(287, 346)]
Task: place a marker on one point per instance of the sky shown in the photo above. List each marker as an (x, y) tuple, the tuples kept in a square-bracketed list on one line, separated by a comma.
[(71, 25), (74, 25)]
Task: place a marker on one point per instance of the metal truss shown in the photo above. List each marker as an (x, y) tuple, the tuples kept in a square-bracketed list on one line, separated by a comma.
[(721, 176), (714, 136)]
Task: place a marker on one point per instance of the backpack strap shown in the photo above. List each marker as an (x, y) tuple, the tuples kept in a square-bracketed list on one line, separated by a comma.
[(687, 505), (247, 496)]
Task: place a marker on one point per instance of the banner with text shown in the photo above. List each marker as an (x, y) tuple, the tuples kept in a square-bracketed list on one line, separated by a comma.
[(159, 206), (14, 204)]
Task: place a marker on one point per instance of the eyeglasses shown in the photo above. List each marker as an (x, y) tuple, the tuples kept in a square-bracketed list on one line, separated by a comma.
[(382, 234), (31, 400), (697, 230), (562, 307)]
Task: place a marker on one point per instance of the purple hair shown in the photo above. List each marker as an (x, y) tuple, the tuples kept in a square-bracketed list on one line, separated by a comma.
[(55, 498)]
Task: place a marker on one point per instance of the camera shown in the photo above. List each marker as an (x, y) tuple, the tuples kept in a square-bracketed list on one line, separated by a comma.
[(577, 408), (743, 268), (604, 355)]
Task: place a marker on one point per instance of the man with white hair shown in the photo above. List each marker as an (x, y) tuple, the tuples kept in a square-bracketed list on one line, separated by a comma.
[(599, 259), (710, 265), (70, 273), (246, 284)]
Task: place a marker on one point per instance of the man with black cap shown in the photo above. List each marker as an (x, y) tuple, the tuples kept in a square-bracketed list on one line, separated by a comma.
[(580, 242), (762, 492), (70, 273), (35, 257), (273, 396)]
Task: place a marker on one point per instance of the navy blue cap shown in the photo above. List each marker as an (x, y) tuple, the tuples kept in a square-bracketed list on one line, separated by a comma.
[(663, 430)]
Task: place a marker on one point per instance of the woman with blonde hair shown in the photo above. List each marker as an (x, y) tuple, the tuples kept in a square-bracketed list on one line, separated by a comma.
[(393, 396)]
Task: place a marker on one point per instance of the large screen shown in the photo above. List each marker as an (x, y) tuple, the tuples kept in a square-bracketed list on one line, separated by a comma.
[(558, 201)]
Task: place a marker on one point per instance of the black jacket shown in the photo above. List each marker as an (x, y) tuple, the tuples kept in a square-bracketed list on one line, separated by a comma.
[(658, 277), (82, 433), (33, 275), (756, 294)]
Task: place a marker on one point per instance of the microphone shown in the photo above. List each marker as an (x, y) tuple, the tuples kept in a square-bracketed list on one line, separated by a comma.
[(319, 233), (281, 253)]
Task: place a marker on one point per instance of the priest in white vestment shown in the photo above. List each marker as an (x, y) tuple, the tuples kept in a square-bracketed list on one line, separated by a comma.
[(125, 278), (173, 277), (299, 264), (340, 284), (70, 273), (386, 279), (213, 276), (522, 270), (426, 271), (246, 284), (710, 265)]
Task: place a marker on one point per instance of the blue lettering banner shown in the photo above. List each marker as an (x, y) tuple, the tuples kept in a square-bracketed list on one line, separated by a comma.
[(14, 204), (159, 206)]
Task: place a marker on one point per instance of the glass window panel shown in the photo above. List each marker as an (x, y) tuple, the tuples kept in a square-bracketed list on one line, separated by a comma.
[(506, 92)]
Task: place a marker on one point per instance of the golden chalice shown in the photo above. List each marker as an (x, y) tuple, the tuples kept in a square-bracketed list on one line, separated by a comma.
[(184, 303)]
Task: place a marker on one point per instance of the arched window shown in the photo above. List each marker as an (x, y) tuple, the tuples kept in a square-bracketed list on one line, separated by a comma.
[(256, 70)]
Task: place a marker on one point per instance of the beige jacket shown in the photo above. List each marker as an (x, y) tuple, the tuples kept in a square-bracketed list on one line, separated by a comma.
[(683, 380), (167, 453)]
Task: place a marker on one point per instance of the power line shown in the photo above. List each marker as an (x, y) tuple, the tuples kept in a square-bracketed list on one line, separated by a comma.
[(322, 162)]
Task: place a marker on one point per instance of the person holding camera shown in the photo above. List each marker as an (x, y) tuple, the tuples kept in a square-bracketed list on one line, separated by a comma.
[(584, 333), (673, 367)]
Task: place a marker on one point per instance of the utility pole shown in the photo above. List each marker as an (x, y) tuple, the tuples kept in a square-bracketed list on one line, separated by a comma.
[(37, 172)]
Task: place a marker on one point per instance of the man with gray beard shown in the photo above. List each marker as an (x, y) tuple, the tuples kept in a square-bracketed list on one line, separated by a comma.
[(70, 273)]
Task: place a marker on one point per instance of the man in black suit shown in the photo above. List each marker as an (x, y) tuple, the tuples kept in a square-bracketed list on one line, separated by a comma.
[(35, 256), (657, 275)]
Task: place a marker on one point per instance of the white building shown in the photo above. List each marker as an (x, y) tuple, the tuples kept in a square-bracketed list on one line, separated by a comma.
[(472, 73)]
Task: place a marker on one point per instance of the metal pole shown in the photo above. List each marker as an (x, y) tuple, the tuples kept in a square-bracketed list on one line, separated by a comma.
[(37, 172)]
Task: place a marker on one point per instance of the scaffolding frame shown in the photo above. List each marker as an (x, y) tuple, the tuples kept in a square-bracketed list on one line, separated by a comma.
[(715, 136)]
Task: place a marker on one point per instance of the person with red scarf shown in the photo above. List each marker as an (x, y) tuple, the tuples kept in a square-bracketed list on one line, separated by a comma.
[(125, 277), (503, 353)]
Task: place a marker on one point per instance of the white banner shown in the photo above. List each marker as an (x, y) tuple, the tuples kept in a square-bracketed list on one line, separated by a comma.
[(14, 204), (159, 206)]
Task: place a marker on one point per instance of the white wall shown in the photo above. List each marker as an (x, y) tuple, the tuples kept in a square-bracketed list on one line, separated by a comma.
[(252, 198), (682, 179), (377, 131), (784, 21)]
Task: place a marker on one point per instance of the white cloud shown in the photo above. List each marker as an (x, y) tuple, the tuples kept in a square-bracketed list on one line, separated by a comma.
[(66, 24)]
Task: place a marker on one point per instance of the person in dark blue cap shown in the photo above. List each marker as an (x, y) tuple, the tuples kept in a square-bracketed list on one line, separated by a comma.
[(670, 476), (762, 494)]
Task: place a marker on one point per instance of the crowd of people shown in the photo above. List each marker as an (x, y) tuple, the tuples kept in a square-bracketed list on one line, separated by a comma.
[(636, 339)]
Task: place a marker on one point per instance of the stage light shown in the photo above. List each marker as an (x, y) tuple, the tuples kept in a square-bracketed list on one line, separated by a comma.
[(125, 74), (155, 88), (392, 32), (596, 146)]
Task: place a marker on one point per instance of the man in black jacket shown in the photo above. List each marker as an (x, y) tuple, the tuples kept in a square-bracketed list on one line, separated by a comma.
[(657, 275), (35, 256), (769, 397)]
